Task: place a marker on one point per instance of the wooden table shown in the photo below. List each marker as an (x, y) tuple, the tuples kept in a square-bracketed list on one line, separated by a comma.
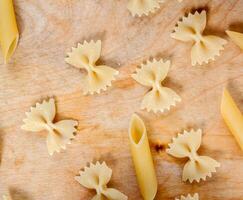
[(48, 29)]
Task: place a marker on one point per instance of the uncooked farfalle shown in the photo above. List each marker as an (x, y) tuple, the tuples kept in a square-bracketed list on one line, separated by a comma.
[(186, 145), (189, 197), (205, 47), (143, 7), (159, 98), (41, 118), (96, 177), (98, 77)]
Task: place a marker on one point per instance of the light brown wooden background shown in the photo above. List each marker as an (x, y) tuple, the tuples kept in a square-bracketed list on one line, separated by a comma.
[(37, 70)]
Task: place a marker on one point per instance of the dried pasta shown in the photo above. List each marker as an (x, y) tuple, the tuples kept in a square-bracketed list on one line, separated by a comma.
[(232, 117), (151, 75), (143, 7), (236, 37), (142, 158), (41, 118), (205, 48), (189, 197), (186, 145), (96, 177), (9, 34), (85, 56)]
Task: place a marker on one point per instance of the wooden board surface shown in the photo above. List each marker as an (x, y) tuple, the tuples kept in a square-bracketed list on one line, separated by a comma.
[(48, 29)]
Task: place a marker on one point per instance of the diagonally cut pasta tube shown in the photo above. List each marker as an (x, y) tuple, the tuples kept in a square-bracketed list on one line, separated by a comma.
[(232, 117), (142, 158), (9, 34), (236, 37)]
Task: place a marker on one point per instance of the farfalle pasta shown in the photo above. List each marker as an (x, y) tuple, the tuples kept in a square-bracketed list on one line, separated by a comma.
[(189, 197), (159, 98), (143, 7), (41, 118), (186, 145), (96, 177), (9, 34), (205, 47), (98, 77)]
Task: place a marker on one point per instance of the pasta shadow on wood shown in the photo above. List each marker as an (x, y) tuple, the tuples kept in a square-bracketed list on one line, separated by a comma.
[(18, 194), (236, 26)]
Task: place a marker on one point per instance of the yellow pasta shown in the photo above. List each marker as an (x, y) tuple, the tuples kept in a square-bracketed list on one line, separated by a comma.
[(138, 7), (159, 98), (9, 34), (41, 117), (189, 197), (98, 77), (197, 167), (232, 117), (96, 177), (236, 37), (205, 47), (142, 158)]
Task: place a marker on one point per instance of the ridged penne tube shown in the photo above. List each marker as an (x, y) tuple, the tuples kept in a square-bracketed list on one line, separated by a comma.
[(9, 34), (232, 117), (142, 158)]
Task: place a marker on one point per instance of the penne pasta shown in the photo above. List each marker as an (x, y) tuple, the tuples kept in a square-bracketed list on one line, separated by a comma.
[(142, 158), (9, 34), (236, 37), (232, 117)]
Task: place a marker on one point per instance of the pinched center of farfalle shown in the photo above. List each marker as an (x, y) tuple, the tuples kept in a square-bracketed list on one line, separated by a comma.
[(193, 156)]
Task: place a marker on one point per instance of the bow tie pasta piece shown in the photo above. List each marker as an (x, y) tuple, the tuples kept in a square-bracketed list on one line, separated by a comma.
[(236, 37), (186, 145), (191, 29), (151, 75), (98, 77), (143, 7), (96, 177), (41, 118), (189, 197)]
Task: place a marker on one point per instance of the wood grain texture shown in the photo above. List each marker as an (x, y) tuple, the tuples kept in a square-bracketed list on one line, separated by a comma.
[(48, 29)]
